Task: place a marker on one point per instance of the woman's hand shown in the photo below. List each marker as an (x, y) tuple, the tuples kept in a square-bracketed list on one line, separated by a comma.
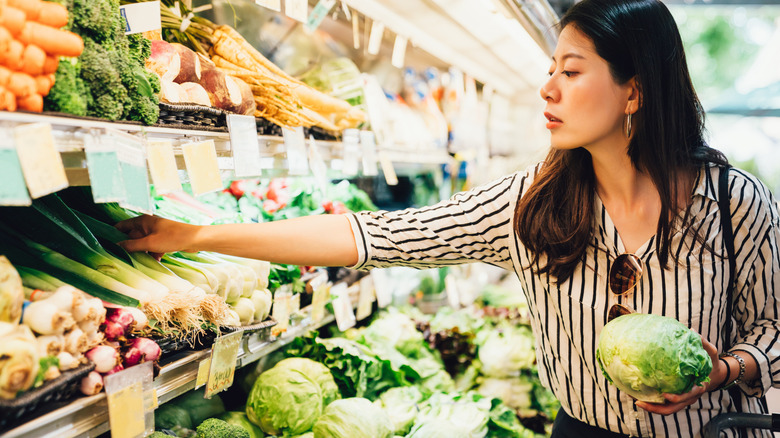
[(157, 235), (678, 402)]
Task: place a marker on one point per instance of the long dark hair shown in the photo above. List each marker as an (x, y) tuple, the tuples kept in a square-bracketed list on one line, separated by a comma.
[(637, 38)]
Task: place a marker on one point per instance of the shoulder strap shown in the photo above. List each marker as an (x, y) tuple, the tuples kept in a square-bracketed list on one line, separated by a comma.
[(724, 202)]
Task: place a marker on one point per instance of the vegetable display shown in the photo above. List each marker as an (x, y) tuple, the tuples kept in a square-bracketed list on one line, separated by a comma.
[(648, 355), (353, 418)]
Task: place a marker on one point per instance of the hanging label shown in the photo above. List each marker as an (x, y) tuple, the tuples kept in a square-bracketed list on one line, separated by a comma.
[(318, 14), (355, 30), (203, 372), (202, 166), (369, 153), (318, 300), (244, 145), (297, 9), (318, 167), (451, 287), (347, 13), (128, 393), (275, 5), (135, 176), (399, 52), (342, 307), (223, 363), (388, 169), (384, 295), (105, 173), (295, 303), (375, 37), (41, 162), (162, 166), (13, 190), (141, 17), (295, 143), (350, 140), (281, 308), (366, 298)]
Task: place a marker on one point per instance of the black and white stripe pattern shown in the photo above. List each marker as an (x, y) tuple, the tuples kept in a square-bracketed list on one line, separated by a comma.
[(478, 226)]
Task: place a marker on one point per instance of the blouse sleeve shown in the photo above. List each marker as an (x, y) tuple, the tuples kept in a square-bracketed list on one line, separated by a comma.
[(757, 303), (471, 226)]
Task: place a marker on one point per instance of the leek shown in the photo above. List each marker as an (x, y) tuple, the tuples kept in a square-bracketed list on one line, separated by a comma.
[(35, 279), (230, 277)]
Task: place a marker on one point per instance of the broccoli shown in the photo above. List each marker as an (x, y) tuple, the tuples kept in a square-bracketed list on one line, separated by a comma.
[(109, 96), (216, 428), (69, 94), (96, 19), (158, 434), (142, 85)]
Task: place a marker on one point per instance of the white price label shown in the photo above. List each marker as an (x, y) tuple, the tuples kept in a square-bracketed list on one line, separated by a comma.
[(141, 17), (281, 308), (318, 300), (297, 9), (318, 167), (342, 307), (388, 169), (202, 166), (366, 298), (375, 37), (244, 144), (275, 5), (222, 368), (355, 30), (453, 295), (384, 294), (131, 152), (350, 140), (399, 51), (295, 143), (369, 153), (162, 166), (40, 160)]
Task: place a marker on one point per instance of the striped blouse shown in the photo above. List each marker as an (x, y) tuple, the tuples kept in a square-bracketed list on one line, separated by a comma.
[(478, 226)]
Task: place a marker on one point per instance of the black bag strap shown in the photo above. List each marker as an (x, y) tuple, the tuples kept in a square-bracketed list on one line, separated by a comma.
[(724, 201)]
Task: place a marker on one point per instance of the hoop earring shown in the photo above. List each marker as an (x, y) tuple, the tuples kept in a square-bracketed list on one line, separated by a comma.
[(628, 125)]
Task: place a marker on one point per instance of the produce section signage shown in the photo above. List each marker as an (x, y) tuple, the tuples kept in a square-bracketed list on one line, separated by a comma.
[(141, 17), (13, 191), (131, 401), (223, 363)]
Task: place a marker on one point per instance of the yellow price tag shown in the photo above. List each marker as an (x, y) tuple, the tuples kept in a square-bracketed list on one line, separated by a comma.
[(318, 301), (365, 299), (126, 412), (223, 363), (203, 372), (162, 166), (41, 162), (202, 166)]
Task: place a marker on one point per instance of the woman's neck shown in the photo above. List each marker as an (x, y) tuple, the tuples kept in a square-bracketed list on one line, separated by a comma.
[(620, 183)]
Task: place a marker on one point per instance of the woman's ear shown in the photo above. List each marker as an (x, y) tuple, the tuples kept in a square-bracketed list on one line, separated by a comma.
[(634, 96)]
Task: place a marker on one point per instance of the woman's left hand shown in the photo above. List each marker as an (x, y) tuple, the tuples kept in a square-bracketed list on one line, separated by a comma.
[(678, 402)]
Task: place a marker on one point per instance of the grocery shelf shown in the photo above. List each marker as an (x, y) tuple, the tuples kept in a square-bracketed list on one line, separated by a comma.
[(88, 416)]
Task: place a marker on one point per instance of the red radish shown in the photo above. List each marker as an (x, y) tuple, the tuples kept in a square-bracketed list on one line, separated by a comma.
[(141, 350), (104, 357), (116, 369), (113, 330), (92, 384)]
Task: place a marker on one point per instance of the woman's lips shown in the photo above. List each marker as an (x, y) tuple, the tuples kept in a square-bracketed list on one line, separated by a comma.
[(552, 121)]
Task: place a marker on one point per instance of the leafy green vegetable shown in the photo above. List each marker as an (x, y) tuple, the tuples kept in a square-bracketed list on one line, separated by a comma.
[(400, 404), (216, 428), (506, 351), (469, 414), (648, 355), (240, 419), (170, 416), (437, 428), (353, 418), (198, 407)]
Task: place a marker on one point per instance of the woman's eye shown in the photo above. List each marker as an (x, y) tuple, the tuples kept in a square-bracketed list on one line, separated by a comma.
[(569, 73), (550, 73)]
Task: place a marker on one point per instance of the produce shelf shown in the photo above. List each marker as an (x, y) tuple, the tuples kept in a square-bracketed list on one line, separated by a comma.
[(88, 416)]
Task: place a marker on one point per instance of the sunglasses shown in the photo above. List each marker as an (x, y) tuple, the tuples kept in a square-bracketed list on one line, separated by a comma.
[(624, 275)]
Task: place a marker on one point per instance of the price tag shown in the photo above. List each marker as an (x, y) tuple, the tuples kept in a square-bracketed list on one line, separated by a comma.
[(41, 162), (355, 30), (369, 153), (128, 394), (366, 298), (342, 307), (350, 139), (105, 173), (244, 144), (13, 190), (281, 308), (318, 300), (275, 5), (203, 373), (399, 51), (297, 9), (295, 304), (375, 37), (451, 288), (384, 295), (223, 363), (295, 143), (388, 169), (135, 175), (202, 166), (318, 167), (318, 14), (141, 17), (162, 166)]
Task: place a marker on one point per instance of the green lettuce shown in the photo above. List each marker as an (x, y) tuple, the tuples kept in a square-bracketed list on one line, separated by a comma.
[(353, 418)]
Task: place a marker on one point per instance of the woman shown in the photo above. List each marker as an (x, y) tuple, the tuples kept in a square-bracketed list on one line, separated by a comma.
[(628, 172)]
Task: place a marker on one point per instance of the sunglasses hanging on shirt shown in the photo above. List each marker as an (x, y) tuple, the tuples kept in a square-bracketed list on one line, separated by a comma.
[(624, 275)]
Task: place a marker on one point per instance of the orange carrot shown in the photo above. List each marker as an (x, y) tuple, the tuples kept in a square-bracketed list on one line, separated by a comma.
[(52, 41), (13, 19), (44, 12), (13, 56), (4, 75), (33, 102), (33, 60), (51, 64), (43, 84), (7, 100), (5, 39), (21, 84)]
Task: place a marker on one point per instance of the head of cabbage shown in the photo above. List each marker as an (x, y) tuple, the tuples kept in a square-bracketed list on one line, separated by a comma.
[(290, 397), (648, 355), (353, 418)]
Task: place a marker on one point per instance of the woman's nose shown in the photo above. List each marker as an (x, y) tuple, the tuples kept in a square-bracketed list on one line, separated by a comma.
[(548, 91)]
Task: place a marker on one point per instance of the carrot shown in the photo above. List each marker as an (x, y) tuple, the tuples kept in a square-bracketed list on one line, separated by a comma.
[(5, 74), (44, 12), (13, 19), (21, 84), (13, 56), (33, 60), (33, 102), (51, 64), (52, 41), (7, 100), (5, 39), (43, 84)]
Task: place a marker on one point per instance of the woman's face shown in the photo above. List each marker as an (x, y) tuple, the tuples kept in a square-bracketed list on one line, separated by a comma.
[(585, 106)]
